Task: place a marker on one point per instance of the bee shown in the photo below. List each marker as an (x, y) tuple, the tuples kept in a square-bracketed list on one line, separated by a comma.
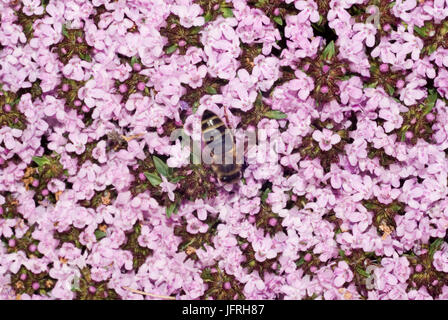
[(220, 144), (115, 141)]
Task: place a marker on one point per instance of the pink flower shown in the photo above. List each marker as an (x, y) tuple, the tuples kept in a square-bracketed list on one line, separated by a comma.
[(326, 139)]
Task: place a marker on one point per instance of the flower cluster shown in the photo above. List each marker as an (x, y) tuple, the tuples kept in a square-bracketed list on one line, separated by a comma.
[(98, 202)]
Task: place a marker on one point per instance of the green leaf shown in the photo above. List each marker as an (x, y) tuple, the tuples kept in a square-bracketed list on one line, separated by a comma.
[(208, 17), (134, 60), (300, 262), (430, 101), (177, 179), (362, 272), (390, 89), (41, 161), (278, 20), (342, 254), (421, 31), (153, 178), (371, 85), (435, 246), (329, 51), (161, 167), (265, 194), (85, 57), (227, 12), (211, 90), (172, 208), (275, 114), (100, 234), (64, 31), (171, 49)]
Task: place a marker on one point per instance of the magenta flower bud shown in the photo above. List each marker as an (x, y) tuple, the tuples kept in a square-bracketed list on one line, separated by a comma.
[(2, 161), (77, 103), (141, 176), (215, 7), (324, 89), (313, 269), (141, 86), (419, 268), (400, 84), (227, 285), (276, 11), (182, 43), (137, 67), (32, 247), (35, 285), (64, 51), (85, 108), (23, 276), (414, 120), (35, 183), (244, 246), (409, 135), (92, 289), (45, 192), (123, 88), (213, 270), (251, 219), (430, 117), (384, 67), (65, 87), (7, 108), (306, 67), (386, 27), (160, 130), (435, 282), (12, 243), (272, 222), (325, 68), (307, 257), (274, 266), (79, 39)]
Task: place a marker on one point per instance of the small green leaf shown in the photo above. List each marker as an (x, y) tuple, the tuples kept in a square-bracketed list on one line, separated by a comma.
[(371, 85), (64, 31), (300, 262), (342, 254), (278, 20), (211, 90), (208, 17), (161, 167), (265, 194), (100, 234), (430, 101), (41, 161), (362, 272), (421, 31), (171, 49), (153, 178), (85, 57), (329, 51), (177, 179), (134, 60), (172, 208), (275, 114), (390, 89), (227, 12), (435, 246)]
